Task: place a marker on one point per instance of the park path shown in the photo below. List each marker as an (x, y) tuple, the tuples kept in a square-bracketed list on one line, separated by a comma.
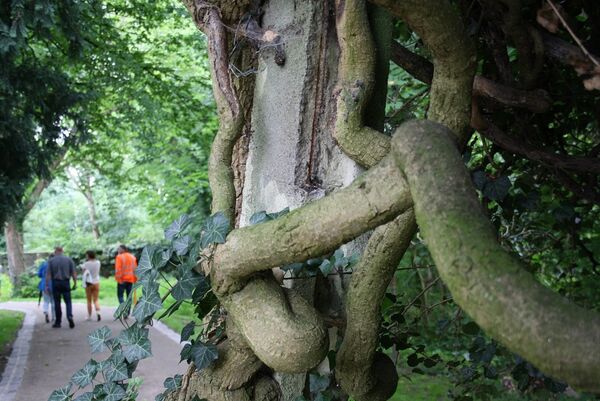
[(44, 358)]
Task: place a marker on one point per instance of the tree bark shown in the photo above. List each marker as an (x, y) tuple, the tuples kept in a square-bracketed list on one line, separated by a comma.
[(89, 197), (13, 233)]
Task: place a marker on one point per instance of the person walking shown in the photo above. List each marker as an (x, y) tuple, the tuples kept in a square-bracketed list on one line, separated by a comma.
[(91, 275), (125, 264), (61, 269), (48, 307)]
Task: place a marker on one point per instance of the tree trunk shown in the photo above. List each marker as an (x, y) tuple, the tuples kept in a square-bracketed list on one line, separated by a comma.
[(13, 232), (89, 197)]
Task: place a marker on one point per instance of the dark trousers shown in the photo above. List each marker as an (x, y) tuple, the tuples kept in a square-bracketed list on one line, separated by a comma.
[(123, 288), (61, 288)]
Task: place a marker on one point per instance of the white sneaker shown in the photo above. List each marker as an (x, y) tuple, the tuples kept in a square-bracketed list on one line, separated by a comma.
[(89, 319)]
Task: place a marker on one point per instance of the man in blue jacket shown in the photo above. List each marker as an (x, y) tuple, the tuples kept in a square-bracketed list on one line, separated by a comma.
[(47, 295)]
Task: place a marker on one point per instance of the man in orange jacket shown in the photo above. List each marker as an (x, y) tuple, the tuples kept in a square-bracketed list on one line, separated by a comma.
[(125, 264)]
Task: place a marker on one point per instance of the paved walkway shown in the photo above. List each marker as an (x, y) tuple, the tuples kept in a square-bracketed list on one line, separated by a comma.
[(44, 358)]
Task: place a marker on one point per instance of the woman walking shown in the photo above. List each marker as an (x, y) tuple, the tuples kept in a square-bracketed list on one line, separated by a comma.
[(91, 277)]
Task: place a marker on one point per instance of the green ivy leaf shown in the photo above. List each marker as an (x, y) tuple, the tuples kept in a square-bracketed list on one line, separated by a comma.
[(114, 392), (97, 339), (171, 309), (135, 343), (89, 396), (470, 328), (181, 245), (173, 383), (278, 214), (85, 375), (326, 267), (215, 230), (161, 257), (203, 354), (479, 179), (148, 304), (187, 331), (186, 353), (259, 217), (318, 383), (123, 308), (188, 280), (145, 264), (177, 227), (61, 394), (115, 371), (497, 189)]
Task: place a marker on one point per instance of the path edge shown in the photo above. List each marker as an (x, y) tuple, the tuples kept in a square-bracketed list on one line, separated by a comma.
[(15, 367)]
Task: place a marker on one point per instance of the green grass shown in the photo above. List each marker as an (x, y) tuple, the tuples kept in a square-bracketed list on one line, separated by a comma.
[(10, 322), (422, 388)]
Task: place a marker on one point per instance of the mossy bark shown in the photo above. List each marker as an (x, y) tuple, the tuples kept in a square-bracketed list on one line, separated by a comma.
[(555, 335)]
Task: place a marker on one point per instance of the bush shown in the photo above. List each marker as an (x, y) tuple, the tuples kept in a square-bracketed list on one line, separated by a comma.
[(29, 285)]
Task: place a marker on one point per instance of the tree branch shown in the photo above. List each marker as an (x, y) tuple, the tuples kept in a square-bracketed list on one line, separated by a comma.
[(547, 157), (440, 26), (359, 369), (537, 101), (552, 333)]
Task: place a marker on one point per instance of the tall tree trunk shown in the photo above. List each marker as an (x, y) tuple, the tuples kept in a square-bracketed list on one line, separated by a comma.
[(292, 156), (89, 197), (13, 232)]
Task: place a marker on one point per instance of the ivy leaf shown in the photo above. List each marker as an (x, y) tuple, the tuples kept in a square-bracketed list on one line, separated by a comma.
[(497, 189), (89, 396), (173, 383), (318, 383), (147, 280), (259, 217), (186, 353), (97, 339), (215, 229), (295, 268), (181, 245), (187, 331), (136, 344), (470, 328), (149, 304), (203, 354), (171, 309), (177, 227), (326, 267), (85, 375), (201, 290), (115, 371), (61, 394), (114, 392), (161, 257), (145, 264), (123, 308), (279, 213), (479, 179), (188, 280)]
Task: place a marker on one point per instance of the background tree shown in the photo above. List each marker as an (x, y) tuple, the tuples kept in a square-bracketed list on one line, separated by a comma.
[(121, 62)]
